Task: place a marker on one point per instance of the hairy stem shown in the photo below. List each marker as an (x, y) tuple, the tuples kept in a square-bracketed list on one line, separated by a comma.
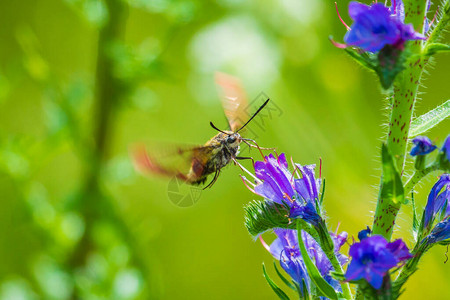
[(417, 176), (402, 107), (411, 266)]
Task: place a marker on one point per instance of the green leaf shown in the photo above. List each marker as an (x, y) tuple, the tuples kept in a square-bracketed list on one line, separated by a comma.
[(282, 295), (322, 195), (392, 186), (323, 287), (434, 48), (261, 216), (287, 282), (338, 276), (427, 121), (365, 59), (387, 63)]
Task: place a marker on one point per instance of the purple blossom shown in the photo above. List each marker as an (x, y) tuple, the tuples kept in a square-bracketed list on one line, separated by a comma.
[(278, 184), (438, 199), (399, 250), (422, 145), (365, 233), (440, 232), (373, 257), (446, 147), (376, 26), (285, 248)]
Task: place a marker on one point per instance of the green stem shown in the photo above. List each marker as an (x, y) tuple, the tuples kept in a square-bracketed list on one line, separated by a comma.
[(92, 202), (403, 100), (417, 176), (108, 93), (328, 248), (411, 266)]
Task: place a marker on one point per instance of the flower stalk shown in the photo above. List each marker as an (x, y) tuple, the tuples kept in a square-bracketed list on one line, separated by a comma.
[(418, 175), (403, 99)]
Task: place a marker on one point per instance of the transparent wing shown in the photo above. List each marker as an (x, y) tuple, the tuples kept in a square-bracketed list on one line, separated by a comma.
[(234, 100), (171, 160)]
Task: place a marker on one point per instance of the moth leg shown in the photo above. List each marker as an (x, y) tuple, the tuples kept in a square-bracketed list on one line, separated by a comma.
[(256, 144), (216, 175), (246, 141)]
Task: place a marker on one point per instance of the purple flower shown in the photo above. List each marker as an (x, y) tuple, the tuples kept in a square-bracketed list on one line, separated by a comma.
[(306, 212), (422, 145), (440, 232), (373, 257), (438, 199), (399, 250), (365, 233), (285, 248), (446, 148), (376, 26), (276, 183)]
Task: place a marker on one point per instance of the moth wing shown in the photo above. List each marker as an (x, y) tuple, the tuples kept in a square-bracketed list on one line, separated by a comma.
[(234, 100), (184, 162)]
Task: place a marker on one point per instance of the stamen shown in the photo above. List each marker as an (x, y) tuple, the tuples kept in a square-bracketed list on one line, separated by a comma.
[(337, 10), (285, 195), (245, 180), (247, 171), (336, 44), (320, 167), (293, 173), (337, 228), (264, 243), (394, 4), (296, 168), (248, 181), (434, 18)]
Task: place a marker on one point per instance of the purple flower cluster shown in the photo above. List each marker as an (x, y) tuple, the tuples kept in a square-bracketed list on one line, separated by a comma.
[(373, 257), (422, 146), (285, 249), (276, 183), (377, 25)]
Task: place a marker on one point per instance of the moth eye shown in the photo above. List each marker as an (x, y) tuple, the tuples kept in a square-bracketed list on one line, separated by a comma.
[(231, 139)]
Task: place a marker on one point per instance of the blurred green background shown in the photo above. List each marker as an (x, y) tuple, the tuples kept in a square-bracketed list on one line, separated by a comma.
[(82, 80)]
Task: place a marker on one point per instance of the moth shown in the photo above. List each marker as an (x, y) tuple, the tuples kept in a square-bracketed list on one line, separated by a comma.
[(216, 153)]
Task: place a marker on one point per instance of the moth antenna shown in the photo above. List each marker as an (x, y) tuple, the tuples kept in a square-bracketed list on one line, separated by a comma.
[(254, 115), (214, 126)]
